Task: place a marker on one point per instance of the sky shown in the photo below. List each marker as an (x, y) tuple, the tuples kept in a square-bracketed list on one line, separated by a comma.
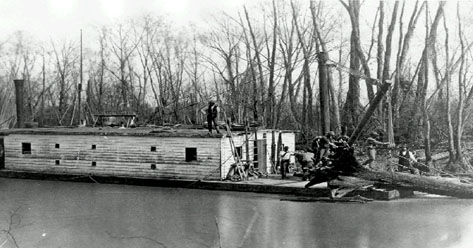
[(51, 18), (59, 18)]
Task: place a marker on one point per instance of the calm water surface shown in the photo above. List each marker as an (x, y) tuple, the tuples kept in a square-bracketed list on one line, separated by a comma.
[(66, 214)]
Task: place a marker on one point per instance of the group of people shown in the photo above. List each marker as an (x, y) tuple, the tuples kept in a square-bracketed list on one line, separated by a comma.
[(407, 161), (324, 146)]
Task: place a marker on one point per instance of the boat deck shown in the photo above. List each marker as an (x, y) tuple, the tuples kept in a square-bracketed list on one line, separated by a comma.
[(270, 185)]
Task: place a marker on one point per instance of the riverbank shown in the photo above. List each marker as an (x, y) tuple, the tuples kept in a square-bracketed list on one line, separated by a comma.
[(273, 184)]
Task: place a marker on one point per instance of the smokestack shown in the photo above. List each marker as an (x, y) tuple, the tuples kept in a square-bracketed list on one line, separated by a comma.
[(20, 121)]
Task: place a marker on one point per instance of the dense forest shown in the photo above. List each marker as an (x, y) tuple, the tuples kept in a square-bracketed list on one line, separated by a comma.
[(311, 66)]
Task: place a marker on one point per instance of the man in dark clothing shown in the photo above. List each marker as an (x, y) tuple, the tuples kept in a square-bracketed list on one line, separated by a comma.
[(407, 160), (285, 157), (306, 163), (321, 146), (212, 113)]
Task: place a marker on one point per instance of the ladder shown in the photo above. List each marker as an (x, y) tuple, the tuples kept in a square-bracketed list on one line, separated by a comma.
[(238, 168)]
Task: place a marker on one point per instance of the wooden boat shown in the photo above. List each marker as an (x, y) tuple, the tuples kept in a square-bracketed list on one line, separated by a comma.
[(161, 153)]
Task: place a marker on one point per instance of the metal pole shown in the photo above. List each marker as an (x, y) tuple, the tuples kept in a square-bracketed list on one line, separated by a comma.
[(80, 83), (44, 93)]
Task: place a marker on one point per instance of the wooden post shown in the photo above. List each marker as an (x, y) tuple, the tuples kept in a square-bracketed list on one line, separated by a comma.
[(374, 103), (273, 152), (247, 146), (20, 121), (2, 154), (278, 149), (255, 145)]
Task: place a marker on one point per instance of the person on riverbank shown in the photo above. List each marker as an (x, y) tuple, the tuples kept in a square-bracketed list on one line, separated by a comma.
[(406, 160), (321, 146), (212, 112), (307, 163), (285, 158), (371, 144)]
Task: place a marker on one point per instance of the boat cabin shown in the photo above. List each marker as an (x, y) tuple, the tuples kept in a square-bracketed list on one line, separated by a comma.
[(154, 153)]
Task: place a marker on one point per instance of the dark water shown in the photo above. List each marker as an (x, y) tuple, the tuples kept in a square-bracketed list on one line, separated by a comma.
[(65, 214)]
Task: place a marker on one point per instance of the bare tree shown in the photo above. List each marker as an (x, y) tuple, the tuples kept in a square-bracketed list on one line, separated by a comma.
[(66, 59)]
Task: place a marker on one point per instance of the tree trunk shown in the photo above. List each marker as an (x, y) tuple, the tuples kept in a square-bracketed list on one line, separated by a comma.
[(271, 66), (345, 164), (387, 59), (459, 128), (260, 73), (306, 50), (451, 152), (380, 55), (402, 58), (325, 81), (419, 183), (421, 99), (352, 104)]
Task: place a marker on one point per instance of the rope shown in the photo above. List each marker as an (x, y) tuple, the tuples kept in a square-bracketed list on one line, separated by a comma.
[(338, 66)]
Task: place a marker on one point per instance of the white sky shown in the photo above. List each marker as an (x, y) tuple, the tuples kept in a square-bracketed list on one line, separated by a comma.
[(61, 18), (50, 18)]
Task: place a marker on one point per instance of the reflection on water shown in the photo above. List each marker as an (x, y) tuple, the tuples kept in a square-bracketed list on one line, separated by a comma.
[(64, 214)]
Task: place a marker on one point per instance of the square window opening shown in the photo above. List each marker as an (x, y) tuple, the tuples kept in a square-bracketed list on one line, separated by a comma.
[(191, 154), (94, 163), (153, 166), (57, 146), (58, 162), (153, 148), (26, 148), (94, 147)]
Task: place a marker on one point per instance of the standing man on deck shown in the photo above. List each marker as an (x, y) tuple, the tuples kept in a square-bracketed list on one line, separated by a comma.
[(212, 113), (285, 160)]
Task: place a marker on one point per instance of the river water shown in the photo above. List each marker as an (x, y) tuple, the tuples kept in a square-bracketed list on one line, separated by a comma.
[(67, 214)]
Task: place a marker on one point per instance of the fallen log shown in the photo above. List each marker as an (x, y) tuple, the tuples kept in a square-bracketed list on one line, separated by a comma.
[(344, 163), (427, 184), (354, 199)]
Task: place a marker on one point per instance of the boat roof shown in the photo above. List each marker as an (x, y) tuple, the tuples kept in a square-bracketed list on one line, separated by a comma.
[(114, 131)]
